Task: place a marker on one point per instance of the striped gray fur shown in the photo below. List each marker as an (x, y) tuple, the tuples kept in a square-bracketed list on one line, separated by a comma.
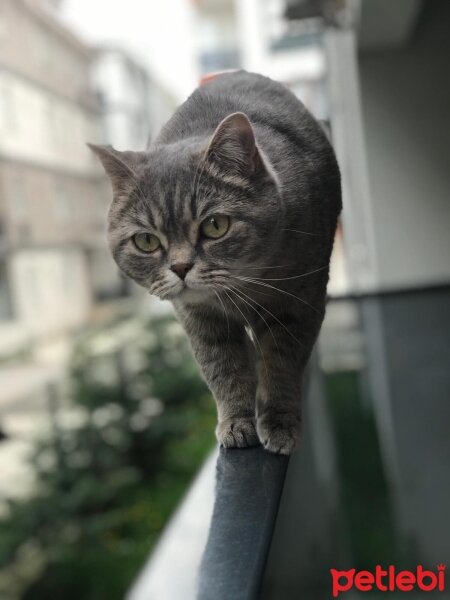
[(253, 301)]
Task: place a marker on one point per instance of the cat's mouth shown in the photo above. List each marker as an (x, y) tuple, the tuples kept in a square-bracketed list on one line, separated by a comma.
[(193, 294), (187, 291)]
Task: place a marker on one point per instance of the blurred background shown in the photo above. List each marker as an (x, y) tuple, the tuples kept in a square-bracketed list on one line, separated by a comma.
[(103, 417)]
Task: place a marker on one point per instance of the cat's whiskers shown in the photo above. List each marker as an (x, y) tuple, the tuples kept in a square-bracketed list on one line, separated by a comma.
[(239, 291), (272, 287), (226, 281), (216, 293), (218, 273), (279, 322), (227, 289), (302, 232), (265, 268), (293, 276)]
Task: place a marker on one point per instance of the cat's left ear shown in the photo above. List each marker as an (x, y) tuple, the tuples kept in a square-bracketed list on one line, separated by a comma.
[(121, 167), (233, 147)]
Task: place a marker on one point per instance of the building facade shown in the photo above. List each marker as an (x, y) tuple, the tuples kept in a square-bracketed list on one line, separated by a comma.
[(54, 267), (133, 105)]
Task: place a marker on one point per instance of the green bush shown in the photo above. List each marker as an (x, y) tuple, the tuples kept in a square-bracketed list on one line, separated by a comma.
[(107, 483)]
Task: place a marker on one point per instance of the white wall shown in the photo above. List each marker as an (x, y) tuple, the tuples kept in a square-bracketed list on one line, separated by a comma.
[(135, 106), (406, 110), (113, 77), (39, 127), (50, 290)]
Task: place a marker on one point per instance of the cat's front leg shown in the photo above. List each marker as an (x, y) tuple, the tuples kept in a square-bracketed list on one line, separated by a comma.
[(281, 363), (221, 348)]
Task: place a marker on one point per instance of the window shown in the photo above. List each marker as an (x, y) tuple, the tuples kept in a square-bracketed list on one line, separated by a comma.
[(291, 25), (62, 205), (8, 113), (6, 311), (107, 283), (18, 199)]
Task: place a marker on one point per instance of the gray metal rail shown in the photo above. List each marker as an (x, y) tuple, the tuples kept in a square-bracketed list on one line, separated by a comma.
[(216, 545)]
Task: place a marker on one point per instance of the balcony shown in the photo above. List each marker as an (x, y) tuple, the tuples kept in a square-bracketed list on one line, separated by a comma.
[(368, 486)]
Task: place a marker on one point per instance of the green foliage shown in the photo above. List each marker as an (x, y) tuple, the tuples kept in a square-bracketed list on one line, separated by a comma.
[(363, 485), (142, 422)]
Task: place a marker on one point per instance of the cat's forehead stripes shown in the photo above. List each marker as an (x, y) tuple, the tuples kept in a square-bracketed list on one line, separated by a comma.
[(172, 201), (233, 180), (182, 206), (158, 217), (168, 204), (133, 208), (217, 198)]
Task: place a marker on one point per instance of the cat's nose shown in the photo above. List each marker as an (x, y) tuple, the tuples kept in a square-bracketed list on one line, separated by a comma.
[(181, 269)]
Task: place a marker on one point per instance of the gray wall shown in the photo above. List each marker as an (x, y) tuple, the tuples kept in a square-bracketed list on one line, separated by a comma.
[(406, 110)]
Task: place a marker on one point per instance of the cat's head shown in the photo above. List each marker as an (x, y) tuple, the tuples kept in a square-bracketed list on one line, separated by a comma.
[(188, 217)]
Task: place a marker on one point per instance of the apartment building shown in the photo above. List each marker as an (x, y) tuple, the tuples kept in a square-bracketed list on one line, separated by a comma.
[(54, 266), (133, 105)]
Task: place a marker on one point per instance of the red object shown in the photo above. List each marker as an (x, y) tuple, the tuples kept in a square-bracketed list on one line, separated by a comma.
[(210, 76), (206, 78)]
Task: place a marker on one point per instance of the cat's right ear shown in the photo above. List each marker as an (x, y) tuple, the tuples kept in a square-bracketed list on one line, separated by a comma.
[(233, 146), (121, 167), (234, 151)]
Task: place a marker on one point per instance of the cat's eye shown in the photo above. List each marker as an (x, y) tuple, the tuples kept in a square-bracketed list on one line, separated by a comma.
[(215, 226), (147, 242)]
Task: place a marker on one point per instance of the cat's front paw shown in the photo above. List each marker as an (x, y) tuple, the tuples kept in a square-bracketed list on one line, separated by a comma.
[(238, 432), (278, 432)]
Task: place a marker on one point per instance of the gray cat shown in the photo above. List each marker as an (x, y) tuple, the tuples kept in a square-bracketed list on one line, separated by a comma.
[(231, 214)]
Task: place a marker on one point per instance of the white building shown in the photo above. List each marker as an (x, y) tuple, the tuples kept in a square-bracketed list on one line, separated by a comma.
[(52, 197), (133, 106)]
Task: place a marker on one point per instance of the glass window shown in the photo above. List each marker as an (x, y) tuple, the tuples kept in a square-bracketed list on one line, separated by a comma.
[(5, 296), (8, 113), (18, 198)]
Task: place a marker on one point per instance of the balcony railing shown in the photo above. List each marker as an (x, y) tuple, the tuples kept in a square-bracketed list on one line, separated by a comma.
[(369, 484)]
